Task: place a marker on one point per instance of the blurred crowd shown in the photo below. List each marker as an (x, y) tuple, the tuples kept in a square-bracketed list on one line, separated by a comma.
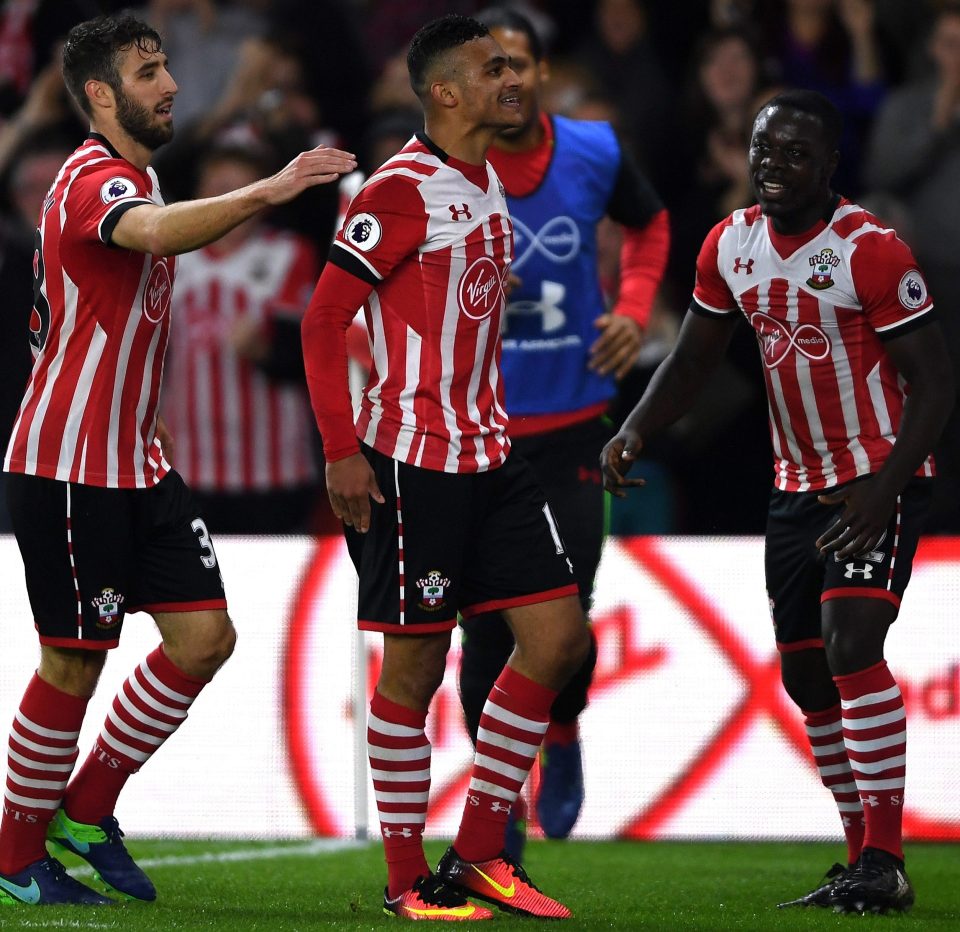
[(260, 80)]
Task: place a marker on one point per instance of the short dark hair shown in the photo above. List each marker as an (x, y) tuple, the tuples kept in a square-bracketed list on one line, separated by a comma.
[(499, 17), (813, 104), (435, 39), (93, 47)]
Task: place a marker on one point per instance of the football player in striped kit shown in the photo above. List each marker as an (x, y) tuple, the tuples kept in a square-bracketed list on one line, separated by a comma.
[(456, 524), (104, 524), (859, 385)]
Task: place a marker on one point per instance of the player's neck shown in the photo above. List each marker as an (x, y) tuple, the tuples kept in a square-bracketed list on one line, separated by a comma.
[(134, 152), (465, 144), (800, 222), (524, 140)]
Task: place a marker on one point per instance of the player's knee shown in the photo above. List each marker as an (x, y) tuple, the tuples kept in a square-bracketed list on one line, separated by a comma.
[(413, 669), (70, 670), (571, 648), (201, 651)]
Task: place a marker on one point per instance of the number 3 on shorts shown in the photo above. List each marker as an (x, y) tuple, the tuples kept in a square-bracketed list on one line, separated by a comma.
[(210, 557)]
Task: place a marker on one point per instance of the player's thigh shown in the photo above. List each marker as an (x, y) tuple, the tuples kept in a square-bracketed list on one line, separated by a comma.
[(77, 547), (794, 569), (410, 560), (176, 566), (883, 572), (565, 464), (515, 555)]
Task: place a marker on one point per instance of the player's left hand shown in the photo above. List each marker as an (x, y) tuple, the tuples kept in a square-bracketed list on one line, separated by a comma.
[(868, 506), (316, 166), (617, 348)]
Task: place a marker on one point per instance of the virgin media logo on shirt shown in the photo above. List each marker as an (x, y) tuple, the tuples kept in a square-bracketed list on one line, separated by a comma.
[(777, 339), (481, 288), (157, 293)]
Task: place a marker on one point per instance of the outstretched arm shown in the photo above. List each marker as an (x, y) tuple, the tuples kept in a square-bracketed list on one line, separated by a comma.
[(921, 358), (671, 393), (188, 225)]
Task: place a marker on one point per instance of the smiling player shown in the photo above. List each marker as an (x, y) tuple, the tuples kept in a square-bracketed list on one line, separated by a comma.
[(457, 525), (859, 387)]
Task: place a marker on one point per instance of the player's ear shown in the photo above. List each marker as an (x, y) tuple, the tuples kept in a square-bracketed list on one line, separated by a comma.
[(544, 70), (443, 94), (100, 94)]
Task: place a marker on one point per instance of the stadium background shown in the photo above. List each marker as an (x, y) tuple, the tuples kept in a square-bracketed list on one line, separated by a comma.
[(712, 748)]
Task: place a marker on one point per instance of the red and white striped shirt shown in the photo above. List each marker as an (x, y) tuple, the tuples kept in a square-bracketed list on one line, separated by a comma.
[(236, 429), (431, 235), (99, 331), (821, 305)]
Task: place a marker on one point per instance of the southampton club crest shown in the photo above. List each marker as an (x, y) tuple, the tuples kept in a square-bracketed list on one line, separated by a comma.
[(823, 265), (433, 586), (107, 605)]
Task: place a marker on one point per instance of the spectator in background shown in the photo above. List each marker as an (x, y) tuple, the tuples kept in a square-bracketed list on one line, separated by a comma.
[(831, 46), (622, 59), (332, 48), (45, 110), (726, 77), (238, 413), (914, 158), (265, 103), (34, 168), (30, 32), (203, 39)]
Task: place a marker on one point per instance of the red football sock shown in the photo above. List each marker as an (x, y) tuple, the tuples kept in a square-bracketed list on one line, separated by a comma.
[(151, 706), (875, 735), (512, 726), (825, 732), (42, 751), (400, 764)]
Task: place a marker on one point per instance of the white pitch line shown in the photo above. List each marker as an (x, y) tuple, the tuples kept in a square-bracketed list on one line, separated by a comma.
[(316, 846)]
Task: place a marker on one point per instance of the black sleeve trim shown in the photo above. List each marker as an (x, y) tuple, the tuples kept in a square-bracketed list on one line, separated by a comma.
[(341, 257), (110, 221), (633, 200), (929, 318), (698, 308)]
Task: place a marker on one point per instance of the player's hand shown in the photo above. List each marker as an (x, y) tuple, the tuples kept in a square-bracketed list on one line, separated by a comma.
[(615, 462), (316, 166), (867, 511), (350, 486), (163, 434), (617, 348)]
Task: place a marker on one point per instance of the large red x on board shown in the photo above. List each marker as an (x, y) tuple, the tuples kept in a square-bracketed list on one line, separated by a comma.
[(763, 696)]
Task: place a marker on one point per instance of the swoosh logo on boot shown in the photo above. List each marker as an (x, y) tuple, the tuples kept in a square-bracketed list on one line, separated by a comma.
[(508, 892), (29, 894)]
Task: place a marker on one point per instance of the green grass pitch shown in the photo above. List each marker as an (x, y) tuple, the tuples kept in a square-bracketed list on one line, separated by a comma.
[(276, 887)]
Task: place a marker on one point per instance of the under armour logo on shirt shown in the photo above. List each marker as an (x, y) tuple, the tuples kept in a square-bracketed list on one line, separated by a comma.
[(739, 264), (463, 212)]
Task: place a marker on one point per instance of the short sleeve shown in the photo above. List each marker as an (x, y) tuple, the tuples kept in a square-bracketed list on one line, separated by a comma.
[(890, 285), (710, 291), (385, 223), (99, 197)]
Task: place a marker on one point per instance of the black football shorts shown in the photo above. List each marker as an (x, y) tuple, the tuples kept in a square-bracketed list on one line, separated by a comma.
[(449, 543), (92, 554), (799, 579)]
